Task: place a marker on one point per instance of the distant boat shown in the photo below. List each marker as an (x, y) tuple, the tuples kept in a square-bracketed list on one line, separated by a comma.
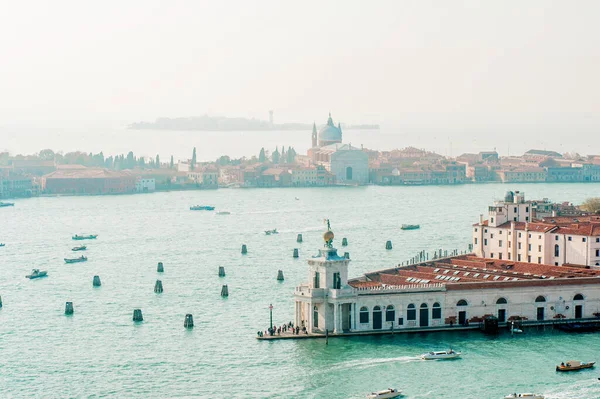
[(5, 204), (385, 394), (297, 199), (525, 396), (79, 248), (85, 237), (269, 232), (76, 260), (36, 273), (202, 208), (223, 213), (442, 355), (410, 227), (574, 365), (2, 245)]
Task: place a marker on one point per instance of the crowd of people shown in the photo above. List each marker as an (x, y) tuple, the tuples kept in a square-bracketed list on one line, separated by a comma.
[(289, 327)]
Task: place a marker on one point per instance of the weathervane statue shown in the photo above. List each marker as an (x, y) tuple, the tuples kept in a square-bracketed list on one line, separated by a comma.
[(328, 236)]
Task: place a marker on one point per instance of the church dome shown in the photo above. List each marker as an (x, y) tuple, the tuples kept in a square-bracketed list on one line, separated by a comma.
[(330, 133)]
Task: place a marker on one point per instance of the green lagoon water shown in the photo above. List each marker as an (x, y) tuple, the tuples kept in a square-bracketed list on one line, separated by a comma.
[(100, 353)]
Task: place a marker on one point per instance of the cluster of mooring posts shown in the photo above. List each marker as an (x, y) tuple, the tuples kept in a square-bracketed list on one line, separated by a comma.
[(424, 256)]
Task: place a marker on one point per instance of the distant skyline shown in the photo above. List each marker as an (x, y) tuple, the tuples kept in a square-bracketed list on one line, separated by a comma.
[(462, 70)]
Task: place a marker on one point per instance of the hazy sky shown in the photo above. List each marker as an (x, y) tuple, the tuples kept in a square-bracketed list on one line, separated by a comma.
[(445, 65)]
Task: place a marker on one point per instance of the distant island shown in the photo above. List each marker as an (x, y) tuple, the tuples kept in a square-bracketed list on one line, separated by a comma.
[(221, 123)]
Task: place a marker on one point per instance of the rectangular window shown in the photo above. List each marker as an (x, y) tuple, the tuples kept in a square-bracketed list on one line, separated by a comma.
[(519, 245), (526, 209), (540, 259), (527, 218), (598, 239), (492, 255), (570, 238), (475, 229), (317, 280), (500, 243), (529, 258), (390, 314), (364, 317), (485, 241), (436, 313), (555, 263), (555, 238), (540, 237), (529, 247), (411, 314), (509, 256), (509, 244), (485, 231), (400, 321), (500, 256), (518, 257), (337, 281), (492, 220), (529, 235), (515, 218), (515, 209), (475, 240), (492, 235), (598, 252), (583, 239), (519, 235), (539, 248)]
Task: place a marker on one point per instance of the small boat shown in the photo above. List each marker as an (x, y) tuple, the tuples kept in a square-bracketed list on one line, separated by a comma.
[(36, 273), (410, 227), (516, 330), (79, 248), (76, 260), (384, 394), (269, 232), (442, 355), (297, 199), (5, 204), (2, 245), (574, 365), (202, 208), (85, 237), (525, 395), (223, 213)]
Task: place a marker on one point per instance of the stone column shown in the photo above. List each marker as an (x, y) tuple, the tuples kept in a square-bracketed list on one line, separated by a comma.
[(335, 318)]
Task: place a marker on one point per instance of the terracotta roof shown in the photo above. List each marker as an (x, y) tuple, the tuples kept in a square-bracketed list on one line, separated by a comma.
[(86, 173)]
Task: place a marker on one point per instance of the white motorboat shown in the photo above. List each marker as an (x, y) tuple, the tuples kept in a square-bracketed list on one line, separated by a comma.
[(525, 395), (516, 330), (224, 213), (441, 355), (384, 394)]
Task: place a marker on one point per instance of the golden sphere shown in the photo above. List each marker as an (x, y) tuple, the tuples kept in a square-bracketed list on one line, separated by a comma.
[(328, 236)]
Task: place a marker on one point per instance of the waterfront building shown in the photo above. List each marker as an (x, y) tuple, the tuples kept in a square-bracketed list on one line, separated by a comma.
[(349, 165), (512, 232), (530, 174), (16, 186), (440, 293), (303, 176), (145, 185), (82, 180)]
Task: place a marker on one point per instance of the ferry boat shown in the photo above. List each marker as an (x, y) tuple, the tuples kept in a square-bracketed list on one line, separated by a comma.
[(5, 204), (79, 248), (574, 365), (202, 208), (525, 395), (224, 213), (36, 273), (385, 394), (441, 355), (269, 232), (85, 237), (410, 227), (76, 260)]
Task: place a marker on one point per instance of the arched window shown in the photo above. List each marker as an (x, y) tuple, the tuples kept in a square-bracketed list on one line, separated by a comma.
[(423, 306), (390, 313), (501, 301), (462, 302), (411, 312), (578, 297), (316, 317), (540, 299), (436, 312), (556, 250), (364, 315)]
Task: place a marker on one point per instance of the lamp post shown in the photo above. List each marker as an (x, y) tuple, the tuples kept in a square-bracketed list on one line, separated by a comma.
[(271, 315)]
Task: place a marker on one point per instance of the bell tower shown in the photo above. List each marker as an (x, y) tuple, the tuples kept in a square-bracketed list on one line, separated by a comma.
[(314, 135)]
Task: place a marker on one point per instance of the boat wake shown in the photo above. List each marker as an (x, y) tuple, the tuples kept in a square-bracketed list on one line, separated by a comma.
[(366, 363), (584, 389)]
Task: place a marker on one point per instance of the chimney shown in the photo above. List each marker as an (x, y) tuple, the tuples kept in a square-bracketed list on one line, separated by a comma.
[(480, 219)]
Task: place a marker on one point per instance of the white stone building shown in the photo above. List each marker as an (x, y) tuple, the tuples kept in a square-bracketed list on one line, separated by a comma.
[(441, 293), (513, 233), (145, 184)]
